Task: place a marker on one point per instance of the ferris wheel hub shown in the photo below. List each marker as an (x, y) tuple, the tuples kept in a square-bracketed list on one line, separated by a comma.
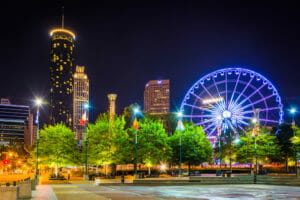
[(226, 114)]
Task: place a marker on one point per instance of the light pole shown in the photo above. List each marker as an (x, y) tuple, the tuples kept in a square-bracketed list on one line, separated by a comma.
[(180, 128), (84, 120), (219, 119), (135, 126), (293, 112), (220, 150), (255, 121), (38, 103)]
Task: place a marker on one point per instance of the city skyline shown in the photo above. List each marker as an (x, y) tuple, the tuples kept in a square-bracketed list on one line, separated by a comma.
[(116, 51)]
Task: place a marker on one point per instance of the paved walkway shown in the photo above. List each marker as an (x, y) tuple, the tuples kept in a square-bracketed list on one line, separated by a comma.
[(43, 192), (203, 192)]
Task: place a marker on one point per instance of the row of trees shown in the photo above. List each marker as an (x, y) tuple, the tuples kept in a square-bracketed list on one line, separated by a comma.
[(111, 143), (275, 145)]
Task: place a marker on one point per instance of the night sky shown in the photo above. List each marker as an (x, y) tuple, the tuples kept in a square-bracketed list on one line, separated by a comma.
[(124, 44)]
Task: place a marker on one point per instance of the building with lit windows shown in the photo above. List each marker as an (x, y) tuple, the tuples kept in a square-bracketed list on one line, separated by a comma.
[(80, 98), (157, 97), (61, 75), (14, 122)]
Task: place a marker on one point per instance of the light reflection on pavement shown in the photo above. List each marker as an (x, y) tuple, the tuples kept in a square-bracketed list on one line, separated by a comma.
[(215, 192)]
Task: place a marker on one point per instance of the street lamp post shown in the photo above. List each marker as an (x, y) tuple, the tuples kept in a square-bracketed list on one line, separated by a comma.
[(85, 107), (135, 126), (220, 150), (255, 120), (293, 112), (38, 103), (180, 128)]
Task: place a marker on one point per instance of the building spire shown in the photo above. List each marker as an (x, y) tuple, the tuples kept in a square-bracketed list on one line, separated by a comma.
[(62, 17)]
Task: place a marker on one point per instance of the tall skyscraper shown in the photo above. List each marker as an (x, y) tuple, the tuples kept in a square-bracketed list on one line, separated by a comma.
[(61, 75), (157, 97), (80, 98), (112, 106)]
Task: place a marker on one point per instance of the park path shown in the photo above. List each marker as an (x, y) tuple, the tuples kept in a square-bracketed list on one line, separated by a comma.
[(43, 192)]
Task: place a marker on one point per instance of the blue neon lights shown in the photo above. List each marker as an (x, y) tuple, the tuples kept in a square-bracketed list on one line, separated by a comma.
[(243, 90)]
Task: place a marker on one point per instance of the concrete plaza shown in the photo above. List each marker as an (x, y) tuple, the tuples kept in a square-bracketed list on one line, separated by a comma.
[(92, 192)]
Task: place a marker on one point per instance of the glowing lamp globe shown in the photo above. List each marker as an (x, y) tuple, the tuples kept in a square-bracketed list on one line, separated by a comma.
[(293, 111), (136, 110), (38, 102)]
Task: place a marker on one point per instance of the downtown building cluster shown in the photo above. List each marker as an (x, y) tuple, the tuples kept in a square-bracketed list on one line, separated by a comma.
[(69, 92), (69, 86)]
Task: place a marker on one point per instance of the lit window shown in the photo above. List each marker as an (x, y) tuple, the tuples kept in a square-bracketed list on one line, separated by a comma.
[(65, 46), (61, 68)]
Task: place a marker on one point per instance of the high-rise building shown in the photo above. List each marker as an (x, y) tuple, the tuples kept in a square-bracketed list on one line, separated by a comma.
[(80, 98), (157, 97), (30, 131), (61, 75), (112, 106), (14, 121)]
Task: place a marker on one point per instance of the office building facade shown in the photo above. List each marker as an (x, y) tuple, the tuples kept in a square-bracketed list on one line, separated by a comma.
[(157, 97), (80, 98), (14, 121)]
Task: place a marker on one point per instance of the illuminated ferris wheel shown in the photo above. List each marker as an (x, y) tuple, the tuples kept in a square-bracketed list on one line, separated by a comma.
[(227, 98)]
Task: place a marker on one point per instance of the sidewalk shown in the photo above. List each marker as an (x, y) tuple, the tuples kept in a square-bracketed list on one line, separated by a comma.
[(43, 192)]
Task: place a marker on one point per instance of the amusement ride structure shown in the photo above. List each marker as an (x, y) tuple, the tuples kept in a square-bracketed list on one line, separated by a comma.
[(229, 99)]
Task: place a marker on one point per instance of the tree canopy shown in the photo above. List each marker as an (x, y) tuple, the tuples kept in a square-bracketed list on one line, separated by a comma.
[(58, 146), (196, 148)]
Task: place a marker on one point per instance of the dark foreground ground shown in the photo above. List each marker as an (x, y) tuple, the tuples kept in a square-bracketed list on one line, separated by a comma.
[(215, 192)]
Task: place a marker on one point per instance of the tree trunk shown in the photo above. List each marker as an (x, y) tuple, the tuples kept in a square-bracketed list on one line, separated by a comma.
[(250, 167), (189, 170), (230, 164), (56, 171), (149, 171), (113, 169), (286, 164)]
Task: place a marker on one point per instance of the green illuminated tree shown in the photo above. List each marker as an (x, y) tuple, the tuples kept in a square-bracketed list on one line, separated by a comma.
[(266, 143), (196, 148), (57, 146), (153, 147), (107, 141), (297, 139), (284, 135), (228, 149)]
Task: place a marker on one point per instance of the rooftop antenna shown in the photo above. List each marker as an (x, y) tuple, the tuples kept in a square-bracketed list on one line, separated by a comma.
[(62, 18)]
